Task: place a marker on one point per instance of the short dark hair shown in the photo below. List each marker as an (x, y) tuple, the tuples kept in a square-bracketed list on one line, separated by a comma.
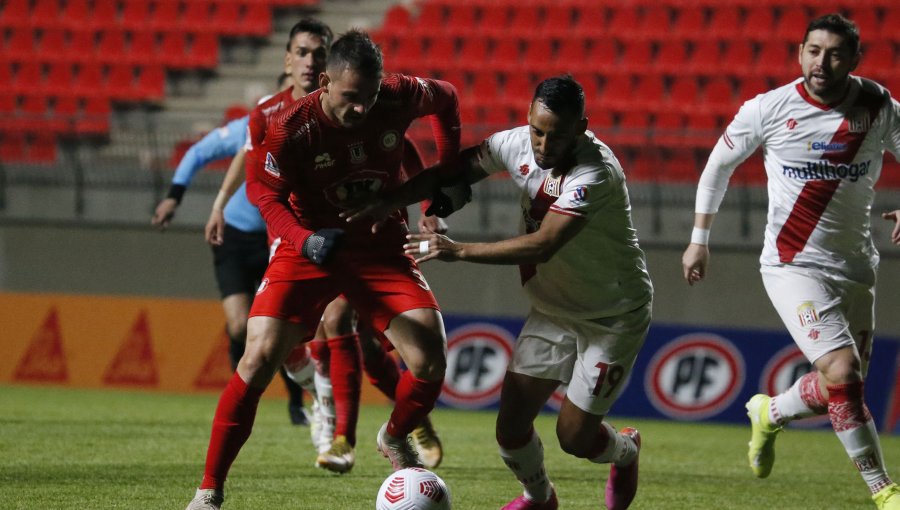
[(356, 50), (561, 94), (281, 78), (312, 26), (838, 25)]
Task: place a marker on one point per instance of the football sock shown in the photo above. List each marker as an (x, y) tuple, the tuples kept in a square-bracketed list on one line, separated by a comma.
[(318, 351), (802, 400), (855, 428), (325, 398), (611, 447), (295, 392), (346, 380), (301, 368), (230, 429), (525, 458), (383, 371), (415, 399)]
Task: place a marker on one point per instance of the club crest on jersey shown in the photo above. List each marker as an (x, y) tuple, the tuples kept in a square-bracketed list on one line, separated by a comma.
[(807, 314), (323, 161), (357, 153), (551, 185), (390, 140), (272, 165), (858, 120), (581, 194)]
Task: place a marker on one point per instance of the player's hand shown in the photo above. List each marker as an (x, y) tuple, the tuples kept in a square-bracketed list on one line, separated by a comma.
[(215, 228), (375, 208), (432, 246), (164, 213), (449, 199), (694, 262), (319, 246), (432, 224), (895, 217)]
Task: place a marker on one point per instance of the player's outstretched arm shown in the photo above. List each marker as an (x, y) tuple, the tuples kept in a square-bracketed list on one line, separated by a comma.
[(695, 259), (895, 217)]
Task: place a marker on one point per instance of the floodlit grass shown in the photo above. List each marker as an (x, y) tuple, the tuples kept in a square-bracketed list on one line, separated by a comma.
[(82, 449)]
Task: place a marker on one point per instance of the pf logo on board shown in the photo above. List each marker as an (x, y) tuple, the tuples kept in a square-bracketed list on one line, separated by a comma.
[(477, 357), (695, 376)]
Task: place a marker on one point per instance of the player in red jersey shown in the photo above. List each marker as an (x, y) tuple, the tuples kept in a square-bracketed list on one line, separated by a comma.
[(340, 144)]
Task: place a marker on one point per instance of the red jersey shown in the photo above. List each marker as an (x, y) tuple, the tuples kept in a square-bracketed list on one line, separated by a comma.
[(259, 116), (309, 169)]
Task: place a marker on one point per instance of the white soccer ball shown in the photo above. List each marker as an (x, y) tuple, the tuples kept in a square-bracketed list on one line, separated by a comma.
[(413, 489)]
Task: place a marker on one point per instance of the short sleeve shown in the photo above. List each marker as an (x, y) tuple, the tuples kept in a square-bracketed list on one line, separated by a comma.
[(494, 153), (584, 193), (892, 136)]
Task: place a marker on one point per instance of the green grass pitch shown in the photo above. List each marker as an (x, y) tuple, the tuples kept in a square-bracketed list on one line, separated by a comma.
[(83, 449)]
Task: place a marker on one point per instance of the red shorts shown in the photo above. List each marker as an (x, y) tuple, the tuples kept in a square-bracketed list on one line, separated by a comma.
[(378, 289)]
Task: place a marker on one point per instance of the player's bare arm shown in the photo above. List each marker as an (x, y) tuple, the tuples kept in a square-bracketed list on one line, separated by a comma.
[(695, 259), (534, 248), (895, 217), (215, 226)]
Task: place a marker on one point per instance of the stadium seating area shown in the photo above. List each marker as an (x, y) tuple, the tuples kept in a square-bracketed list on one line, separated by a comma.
[(64, 63), (661, 77)]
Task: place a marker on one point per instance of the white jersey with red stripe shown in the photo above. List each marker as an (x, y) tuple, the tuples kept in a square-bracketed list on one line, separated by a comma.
[(601, 272), (822, 162)]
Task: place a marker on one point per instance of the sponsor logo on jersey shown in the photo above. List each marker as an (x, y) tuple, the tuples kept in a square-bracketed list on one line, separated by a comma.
[(390, 140), (551, 185), (826, 146), (262, 286), (581, 194), (357, 153), (272, 165), (695, 376), (825, 171), (523, 170), (477, 357), (858, 120), (356, 187), (791, 124), (324, 161), (807, 314)]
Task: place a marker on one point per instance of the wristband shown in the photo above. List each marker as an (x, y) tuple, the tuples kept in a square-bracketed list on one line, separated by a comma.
[(700, 236), (176, 192)]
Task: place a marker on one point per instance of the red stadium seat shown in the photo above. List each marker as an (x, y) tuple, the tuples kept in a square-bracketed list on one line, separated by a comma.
[(526, 20), (718, 96), (572, 54), (758, 24), (672, 57), (258, 20), (174, 50), (397, 18), (868, 20), (637, 57), (13, 147), (42, 148), (14, 14), (738, 58), (590, 21), (135, 14), (723, 22), (668, 129), (656, 19), (633, 129), (603, 56), (90, 81), (430, 19), (683, 94), (20, 47), (441, 51), (59, 79), (408, 55), (679, 166), (518, 88), (705, 58), (104, 15), (506, 54), (82, 46), (877, 59), (120, 82), (889, 23), (204, 51), (111, 47), (750, 87), (557, 22), (166, 16), (95, 118), (45, 14), (76, 14), (227, 19), (690, 24), (649, 94), (538, 56), (151, 83), (775, 59), (52, 47), (702, 130), (28, 78), (144, 49), (617, 93), (485, 89), (473, 54), (626, 19), (197, 16), (791, 24)]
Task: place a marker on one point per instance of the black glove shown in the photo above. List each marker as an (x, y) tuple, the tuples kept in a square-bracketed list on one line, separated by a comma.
[(448, 200), (319, 246)]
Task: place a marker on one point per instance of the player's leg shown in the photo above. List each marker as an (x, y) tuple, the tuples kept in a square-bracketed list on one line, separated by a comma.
[(521, 399), (322, 420), (236, 307), (269, 342), (418, 335), (345, 376), (606, 351)]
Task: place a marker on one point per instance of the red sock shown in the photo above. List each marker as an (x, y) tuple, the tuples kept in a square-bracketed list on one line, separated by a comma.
[(415, 399), (383, 372), (346, 381), (230, 430), (318, 350)]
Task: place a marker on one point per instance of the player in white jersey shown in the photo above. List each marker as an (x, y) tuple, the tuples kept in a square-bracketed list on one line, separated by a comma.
[(824, 136), (586, 277)]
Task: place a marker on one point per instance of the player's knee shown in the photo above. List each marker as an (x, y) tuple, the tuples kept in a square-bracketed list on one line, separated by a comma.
[(237, 329), (841, 369), (338, 319), (429, 368)]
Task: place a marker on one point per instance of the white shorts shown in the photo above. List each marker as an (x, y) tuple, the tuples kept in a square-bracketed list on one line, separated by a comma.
[(593, 356), (823, 311)]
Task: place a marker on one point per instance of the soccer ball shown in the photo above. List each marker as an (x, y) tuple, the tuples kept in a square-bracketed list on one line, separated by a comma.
[(413, 489)]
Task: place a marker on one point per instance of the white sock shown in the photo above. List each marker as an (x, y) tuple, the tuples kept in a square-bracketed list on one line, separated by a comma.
[(325, 398), (802, 400), (620, 450), (527, 463), (856, 430)]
